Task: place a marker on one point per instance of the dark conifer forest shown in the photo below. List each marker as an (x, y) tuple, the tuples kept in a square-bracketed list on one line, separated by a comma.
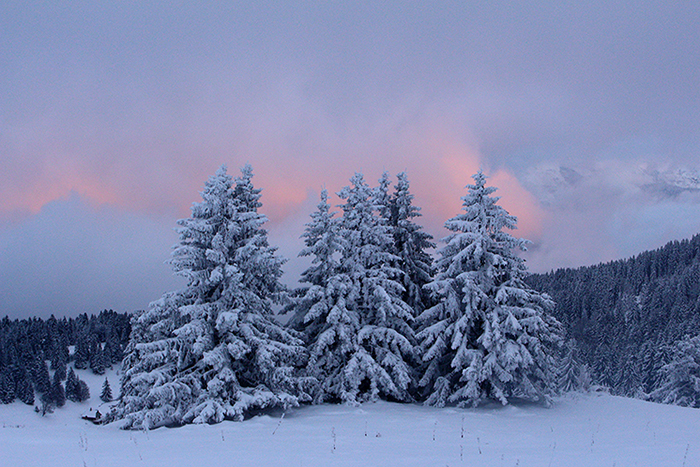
[(630, 316), (30, 348)]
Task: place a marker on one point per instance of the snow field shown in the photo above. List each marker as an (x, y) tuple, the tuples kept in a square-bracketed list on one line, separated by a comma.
[(580, 430)]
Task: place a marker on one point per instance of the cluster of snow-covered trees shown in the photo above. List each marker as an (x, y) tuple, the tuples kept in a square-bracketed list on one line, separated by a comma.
[(376, 317)]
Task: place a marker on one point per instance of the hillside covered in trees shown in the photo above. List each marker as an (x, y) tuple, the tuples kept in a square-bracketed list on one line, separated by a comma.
[(96, 342), (633, 318)]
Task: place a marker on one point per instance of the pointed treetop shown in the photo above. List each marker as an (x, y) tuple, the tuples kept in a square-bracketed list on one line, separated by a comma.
[(221, 171), (358, 179), (323, 205), (381, 196), (482, 213), (357, 192), (480, 185), (245, 193), (383, 187), (212, 196), (247, 170), (403, 200)]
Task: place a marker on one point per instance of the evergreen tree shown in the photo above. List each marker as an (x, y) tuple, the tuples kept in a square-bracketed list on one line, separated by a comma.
[(382, 199), (59, 354), (321, 312), (71, 388), (112, 350), (213, 350), (25, 391), (57, 392), (630, 378), (357, 325), (573, 376), (76, 389), (60, 368), (410, 245), (99, 361), (82, 393), (42, 379), (106, 395), (323, 244), (7, 386), (680, 378), (82, 353), (381, 367), (489, 335)]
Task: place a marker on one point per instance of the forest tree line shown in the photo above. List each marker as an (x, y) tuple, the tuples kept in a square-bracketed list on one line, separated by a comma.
[(636, 320)]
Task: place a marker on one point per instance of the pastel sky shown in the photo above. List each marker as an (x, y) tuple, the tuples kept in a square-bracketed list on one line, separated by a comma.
[(585, 115)]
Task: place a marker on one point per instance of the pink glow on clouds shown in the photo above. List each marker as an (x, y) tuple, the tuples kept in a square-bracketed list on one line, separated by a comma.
[(166, 180), (521, 203), (45, 190), (514, 198), (133, 105)]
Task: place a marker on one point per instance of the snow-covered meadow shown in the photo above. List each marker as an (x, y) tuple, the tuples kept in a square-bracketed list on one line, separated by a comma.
[(579, 430)]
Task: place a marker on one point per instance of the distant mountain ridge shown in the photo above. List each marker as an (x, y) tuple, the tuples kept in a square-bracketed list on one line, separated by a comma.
[(550, 181)]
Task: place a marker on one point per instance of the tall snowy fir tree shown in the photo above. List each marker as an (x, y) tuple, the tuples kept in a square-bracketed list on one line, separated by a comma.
[(7, 387), (357, 326), (213, 351), (320, 311), (410, 246), (572, 374), (106, 394), (489, 336), (680, 377), (381, 365), (382, 199), (323, 244)]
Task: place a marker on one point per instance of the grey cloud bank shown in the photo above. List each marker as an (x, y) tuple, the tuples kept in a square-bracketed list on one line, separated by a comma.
[(592, 108), (75, 258)]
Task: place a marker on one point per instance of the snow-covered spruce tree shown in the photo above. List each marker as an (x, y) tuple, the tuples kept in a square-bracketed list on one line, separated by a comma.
[(57, 391), (99, 361), (357, 325), (382, 199), (25, 391), (7, 386), (71, 385), (82, 391), (410, 245), (680, 378), (42, 379), (323, 244), (572, 374), (320, 308), (213, 351), (106, 394), (76, 389), (489, 336)]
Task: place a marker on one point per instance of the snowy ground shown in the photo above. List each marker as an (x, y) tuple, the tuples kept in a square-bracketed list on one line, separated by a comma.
[(584, 430)]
